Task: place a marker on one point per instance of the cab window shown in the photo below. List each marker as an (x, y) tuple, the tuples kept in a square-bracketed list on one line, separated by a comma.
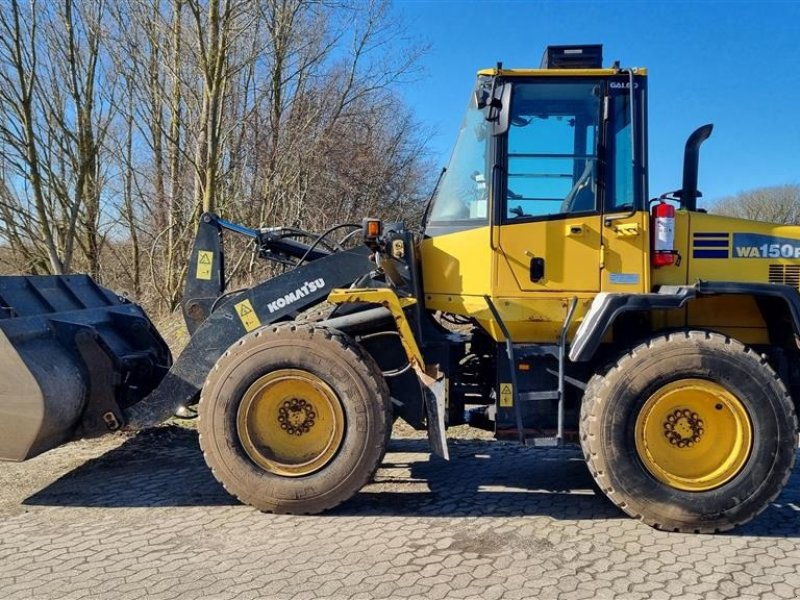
[(553, 149), (620, 193), (462, 196)]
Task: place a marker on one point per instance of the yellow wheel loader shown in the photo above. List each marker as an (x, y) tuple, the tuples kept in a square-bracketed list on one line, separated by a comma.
[(545, 297)]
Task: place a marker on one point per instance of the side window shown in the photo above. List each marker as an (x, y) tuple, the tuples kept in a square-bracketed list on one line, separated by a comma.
[(552, 149), (619, 189)]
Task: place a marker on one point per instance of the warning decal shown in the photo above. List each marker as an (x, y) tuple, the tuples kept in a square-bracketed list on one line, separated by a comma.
[(506, 395), (205, 259), (247, 315)]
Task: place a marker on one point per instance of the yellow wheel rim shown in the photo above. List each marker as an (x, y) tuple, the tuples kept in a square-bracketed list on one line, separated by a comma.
[(290, 422), (693, 435)]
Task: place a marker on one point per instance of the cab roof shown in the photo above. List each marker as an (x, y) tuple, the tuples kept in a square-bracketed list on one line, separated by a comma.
[(558, 72)]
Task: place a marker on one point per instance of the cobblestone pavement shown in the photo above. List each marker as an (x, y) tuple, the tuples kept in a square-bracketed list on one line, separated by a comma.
[(142, 517)]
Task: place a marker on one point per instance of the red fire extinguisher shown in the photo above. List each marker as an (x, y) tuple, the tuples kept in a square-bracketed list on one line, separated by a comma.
[(663, 234)]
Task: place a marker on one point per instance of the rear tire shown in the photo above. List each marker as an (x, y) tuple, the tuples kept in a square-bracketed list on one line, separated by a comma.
[(644, 420), (294, 419)]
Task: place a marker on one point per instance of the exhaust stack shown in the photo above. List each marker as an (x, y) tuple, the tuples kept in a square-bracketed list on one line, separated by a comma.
[(691, 158)]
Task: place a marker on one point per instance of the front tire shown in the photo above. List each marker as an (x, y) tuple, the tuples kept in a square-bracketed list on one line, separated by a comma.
[(689, 432), (294, 419)]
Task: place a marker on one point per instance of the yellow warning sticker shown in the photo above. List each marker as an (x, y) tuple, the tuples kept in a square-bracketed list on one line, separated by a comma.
[(205, 259), (247, 315), (506, 395)]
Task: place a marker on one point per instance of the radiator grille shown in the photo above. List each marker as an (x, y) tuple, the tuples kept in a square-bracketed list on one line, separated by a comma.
[(786, 274)]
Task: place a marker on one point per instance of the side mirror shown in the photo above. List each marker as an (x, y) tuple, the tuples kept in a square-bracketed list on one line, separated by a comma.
[(481, 98), (502, 104)]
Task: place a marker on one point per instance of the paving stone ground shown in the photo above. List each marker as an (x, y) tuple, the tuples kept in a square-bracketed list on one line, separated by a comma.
[(141, 517)]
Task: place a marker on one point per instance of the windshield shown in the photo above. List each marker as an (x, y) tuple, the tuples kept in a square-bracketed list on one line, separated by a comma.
[(463, 196)]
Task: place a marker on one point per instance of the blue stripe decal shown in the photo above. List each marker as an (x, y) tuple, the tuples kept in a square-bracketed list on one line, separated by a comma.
[(710, 243), (711, 235), (710, 254)]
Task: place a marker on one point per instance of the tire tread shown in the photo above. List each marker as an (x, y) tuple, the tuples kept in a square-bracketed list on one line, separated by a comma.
[(594, 397), (310, 331)]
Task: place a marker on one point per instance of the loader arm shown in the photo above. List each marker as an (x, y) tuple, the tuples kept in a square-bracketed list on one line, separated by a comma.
[(274, 300), (206, 278)]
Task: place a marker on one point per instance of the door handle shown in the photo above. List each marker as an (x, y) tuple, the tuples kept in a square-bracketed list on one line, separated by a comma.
[(626, 229), (537, 269), (575, 230)]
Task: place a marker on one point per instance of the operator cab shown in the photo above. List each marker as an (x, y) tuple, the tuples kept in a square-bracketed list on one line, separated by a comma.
[(541, 144)]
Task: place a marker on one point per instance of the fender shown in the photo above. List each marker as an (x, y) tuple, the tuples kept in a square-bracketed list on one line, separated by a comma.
[(606, 307), (387, 298), (430, 378)]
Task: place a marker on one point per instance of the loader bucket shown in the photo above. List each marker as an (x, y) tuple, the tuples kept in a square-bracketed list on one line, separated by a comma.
[(73, 357)]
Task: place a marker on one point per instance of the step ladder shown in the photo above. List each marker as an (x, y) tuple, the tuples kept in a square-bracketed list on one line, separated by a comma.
[(520, 351)]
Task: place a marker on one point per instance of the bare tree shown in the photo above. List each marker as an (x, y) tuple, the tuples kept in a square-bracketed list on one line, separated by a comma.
[(53, 126), (121, 122), (20, 139), (775, 204), (74, 37)]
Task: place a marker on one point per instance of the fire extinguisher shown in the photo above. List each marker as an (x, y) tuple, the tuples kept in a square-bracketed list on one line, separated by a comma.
[(663, 235)]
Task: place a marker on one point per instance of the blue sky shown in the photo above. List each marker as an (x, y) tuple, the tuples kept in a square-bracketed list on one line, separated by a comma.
[(734, 64)]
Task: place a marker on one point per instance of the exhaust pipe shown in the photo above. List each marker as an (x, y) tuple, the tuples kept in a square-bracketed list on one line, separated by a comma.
[(691, 158)]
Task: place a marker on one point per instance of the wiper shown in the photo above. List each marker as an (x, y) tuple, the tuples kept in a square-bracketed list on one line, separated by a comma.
[(430, 199)]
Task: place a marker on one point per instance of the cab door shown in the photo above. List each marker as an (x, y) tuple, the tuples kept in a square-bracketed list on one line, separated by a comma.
[(625, 235), (549, 227)]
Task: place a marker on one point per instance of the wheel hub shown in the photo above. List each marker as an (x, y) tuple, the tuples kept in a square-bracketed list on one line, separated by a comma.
[(290, 422), (693, 434), (296, 416), (683, 428)]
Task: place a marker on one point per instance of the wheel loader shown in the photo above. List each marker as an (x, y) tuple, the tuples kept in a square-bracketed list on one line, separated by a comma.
[(545, 297)]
